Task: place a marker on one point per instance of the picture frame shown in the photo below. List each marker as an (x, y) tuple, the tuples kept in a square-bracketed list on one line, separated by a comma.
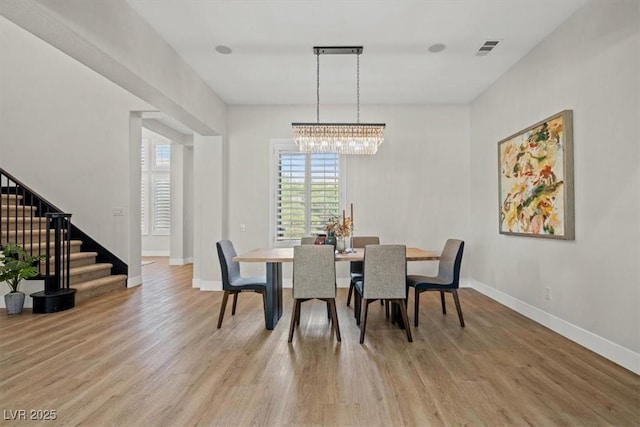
[(535, 180)]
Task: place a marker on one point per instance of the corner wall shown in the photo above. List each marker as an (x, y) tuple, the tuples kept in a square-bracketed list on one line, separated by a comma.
[(590, 65), (414, 191), (65, 131)]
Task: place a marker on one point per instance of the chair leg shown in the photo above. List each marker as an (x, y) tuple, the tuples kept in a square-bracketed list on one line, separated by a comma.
[(444, 307), (358, 307), (294, 313), (405, 319), (235, 303), (328, 311), (364, 322), (457, 301), (298, 304), (416, 308), (223, 305), (351, 285), (334, 318), (386, 308)]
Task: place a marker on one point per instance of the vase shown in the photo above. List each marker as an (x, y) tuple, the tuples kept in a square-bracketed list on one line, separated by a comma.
[(330, 240), (341, 245), (14, 302)]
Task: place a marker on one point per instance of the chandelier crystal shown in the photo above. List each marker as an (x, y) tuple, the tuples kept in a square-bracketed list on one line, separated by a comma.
[(341, 138)]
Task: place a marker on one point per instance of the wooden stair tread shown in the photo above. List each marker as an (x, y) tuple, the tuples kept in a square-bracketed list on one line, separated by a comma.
[(29, 218), (77, 255), (44, 244), (13, 197), (89, 268), (90, 284)]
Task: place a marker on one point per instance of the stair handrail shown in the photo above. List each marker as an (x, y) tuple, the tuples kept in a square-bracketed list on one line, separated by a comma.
[(11, 185), (23, 198), (58, 224)]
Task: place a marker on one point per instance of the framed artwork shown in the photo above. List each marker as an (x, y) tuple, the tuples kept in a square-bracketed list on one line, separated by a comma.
[(535, 185)]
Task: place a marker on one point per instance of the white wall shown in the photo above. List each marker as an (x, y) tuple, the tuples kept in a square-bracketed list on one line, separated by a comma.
[(590, 65), (112, 39), (415, 190), (64, 131)]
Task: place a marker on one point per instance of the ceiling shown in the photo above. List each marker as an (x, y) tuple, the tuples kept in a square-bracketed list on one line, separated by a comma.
[(272, 59)]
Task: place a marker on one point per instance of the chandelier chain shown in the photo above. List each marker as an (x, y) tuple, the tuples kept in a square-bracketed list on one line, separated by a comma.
[(318, 87), (358, 88)]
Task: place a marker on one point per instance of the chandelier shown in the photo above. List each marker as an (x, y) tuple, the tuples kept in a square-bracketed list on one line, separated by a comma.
[(341, 138)]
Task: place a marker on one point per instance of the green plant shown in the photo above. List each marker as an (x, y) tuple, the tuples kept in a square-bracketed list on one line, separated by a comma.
[(16, 264)]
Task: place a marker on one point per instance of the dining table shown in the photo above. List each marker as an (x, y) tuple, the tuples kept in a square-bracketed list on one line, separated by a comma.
[(274, 257)]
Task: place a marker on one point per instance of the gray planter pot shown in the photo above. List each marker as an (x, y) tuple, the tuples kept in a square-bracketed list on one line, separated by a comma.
[(14, 301)]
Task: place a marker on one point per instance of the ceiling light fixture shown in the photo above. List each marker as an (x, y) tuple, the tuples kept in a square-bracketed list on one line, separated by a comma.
[(341, 138), (225, 50)]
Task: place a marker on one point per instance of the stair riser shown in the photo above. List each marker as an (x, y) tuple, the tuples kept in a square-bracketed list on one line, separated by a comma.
[(17, 209), (84, 295), (42, 250), (11, 223), (92, 275), (21, 238), (9, 198), (76, 262)]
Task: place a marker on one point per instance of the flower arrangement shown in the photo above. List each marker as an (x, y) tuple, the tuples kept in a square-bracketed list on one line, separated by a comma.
[(339, 228), (16, 264)]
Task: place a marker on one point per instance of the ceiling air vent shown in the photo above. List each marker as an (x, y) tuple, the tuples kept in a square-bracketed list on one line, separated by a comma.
[(487, 47)]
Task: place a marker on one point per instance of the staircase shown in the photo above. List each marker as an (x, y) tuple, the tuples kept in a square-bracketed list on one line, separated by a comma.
[(21, 224)]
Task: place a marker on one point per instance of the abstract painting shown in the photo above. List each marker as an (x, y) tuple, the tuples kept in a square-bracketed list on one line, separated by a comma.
[(535, 168)]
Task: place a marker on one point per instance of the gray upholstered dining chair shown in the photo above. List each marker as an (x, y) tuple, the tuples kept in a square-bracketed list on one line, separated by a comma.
[(384, 278), (356, 266), (314, 277), (447, 280), (233, 283), (307, 240)]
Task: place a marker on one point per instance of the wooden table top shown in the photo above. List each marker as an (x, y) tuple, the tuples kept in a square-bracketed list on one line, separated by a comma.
[(286, 255)]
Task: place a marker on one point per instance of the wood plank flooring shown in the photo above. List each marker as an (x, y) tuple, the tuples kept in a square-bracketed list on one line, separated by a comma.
[(152, 356)]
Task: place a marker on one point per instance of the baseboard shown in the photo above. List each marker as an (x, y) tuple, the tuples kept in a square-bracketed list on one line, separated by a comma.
[(155, 253), (210, 285), (605, 348), (180, 261), (132, 282)]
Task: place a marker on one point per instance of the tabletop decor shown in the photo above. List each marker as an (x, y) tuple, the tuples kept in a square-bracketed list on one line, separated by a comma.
[(16, 265), (340, 229), (535, 168)]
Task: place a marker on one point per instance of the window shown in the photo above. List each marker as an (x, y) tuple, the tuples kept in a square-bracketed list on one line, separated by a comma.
[(155, 191), (307, 190)]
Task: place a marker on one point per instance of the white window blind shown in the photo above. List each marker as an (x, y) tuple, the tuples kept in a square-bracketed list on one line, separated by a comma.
[(155, 190), (161, 205), (308, 190), (144, 195)]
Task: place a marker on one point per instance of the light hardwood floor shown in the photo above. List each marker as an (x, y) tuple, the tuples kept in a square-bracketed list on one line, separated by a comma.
[(152, 356)]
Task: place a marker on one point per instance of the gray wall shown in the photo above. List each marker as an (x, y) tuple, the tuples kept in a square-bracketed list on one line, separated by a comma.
[(64, 131), (415, 190), (589, 65)]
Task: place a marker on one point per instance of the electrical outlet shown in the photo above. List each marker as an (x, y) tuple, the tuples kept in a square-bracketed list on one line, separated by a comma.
[(547, 294), (242, 227), (117, 211)]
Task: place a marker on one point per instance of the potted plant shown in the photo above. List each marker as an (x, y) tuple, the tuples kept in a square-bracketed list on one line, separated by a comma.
[(15, 265)]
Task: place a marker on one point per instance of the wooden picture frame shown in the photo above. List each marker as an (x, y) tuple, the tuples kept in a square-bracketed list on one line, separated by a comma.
[(535, 180)]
